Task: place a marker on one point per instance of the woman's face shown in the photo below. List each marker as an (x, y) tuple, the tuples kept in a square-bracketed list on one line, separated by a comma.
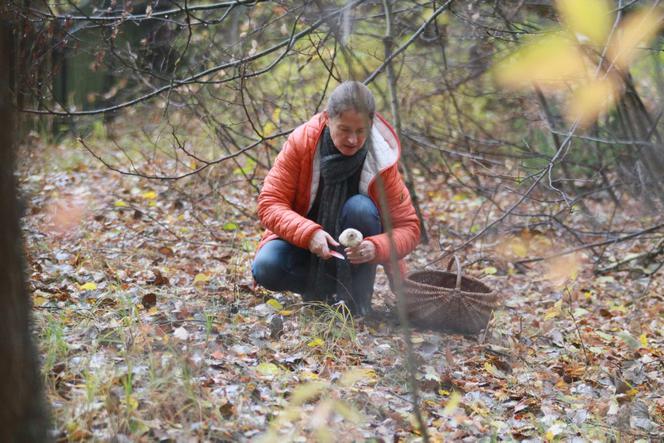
[(349, 131)]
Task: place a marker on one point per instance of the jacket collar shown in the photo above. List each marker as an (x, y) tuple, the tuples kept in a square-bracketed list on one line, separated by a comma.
[(384, 152)]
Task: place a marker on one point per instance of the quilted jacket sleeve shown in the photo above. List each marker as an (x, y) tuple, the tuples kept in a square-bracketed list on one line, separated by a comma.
[(277, 198), (405, 224)]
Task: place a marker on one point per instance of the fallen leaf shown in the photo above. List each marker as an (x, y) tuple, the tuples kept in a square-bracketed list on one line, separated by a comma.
[(230, 226), (452, 404), (275, 304), (149, 300), (268, 369), (181, 333), (165, 250), (316, 342), (89, 286), (201, 278)]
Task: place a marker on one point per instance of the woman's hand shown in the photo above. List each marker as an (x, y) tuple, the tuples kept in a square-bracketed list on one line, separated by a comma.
[(320, 244), (362, 253)]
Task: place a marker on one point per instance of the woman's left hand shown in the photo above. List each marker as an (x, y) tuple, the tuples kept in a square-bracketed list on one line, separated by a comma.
[(362, 253)]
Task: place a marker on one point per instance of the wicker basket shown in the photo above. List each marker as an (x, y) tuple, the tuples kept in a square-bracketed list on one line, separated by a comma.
[(448, 301)]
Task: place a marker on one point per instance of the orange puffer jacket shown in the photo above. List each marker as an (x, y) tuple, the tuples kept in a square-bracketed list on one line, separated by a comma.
[(291, 185)]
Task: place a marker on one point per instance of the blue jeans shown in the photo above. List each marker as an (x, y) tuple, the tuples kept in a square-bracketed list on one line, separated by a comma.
[(280, 266)]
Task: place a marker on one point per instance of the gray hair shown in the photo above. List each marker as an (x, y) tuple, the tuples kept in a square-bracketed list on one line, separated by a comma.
[(351, 95)]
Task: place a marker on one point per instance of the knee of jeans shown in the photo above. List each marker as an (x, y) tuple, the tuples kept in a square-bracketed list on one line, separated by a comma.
[(361, 213), (266, 272)]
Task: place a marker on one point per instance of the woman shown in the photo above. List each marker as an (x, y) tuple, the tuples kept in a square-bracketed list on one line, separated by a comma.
[(324, 180)]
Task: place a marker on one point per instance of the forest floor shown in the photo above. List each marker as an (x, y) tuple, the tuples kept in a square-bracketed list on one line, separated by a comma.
[(150, 329)]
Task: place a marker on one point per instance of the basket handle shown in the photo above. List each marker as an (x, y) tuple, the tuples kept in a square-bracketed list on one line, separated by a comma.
[(455, 259)]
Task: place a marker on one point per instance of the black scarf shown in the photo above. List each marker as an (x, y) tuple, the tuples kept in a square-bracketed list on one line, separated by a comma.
[(336, 173)]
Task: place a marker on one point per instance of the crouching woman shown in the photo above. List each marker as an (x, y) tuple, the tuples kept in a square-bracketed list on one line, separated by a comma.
[(326, 179)]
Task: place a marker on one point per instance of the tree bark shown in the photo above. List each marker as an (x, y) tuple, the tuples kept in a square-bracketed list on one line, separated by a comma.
[(23, 416)]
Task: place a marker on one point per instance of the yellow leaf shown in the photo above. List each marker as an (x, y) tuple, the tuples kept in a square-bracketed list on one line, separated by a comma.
[(316, 342), (276, 114), (306, 375), (345, 410), (275, 304), (285, 312), (644, 340), (230, 226), (354, 375), (38, 300), (268, 128), (306, 392), (201, 278), (559, 270), (635, 31), (549, 436), (591, 100), (589, 18), (491, 369), (452, 403), (519, 248), (89, 286), (619, 308), (553, 311), (150, 195), (268, 369), (546, 61), (120, 204), (132, 403), (490, 270)]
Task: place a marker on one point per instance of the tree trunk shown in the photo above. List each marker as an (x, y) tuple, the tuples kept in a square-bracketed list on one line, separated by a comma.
[(23, 416)]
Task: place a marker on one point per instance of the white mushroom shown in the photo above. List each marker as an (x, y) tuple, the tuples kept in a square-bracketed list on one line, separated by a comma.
[(350, 238)]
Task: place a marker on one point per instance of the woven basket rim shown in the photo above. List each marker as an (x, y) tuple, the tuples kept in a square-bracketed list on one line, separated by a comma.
[(448, 273)]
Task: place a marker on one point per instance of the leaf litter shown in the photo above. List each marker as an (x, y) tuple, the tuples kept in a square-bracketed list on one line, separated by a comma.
[(150, 328)]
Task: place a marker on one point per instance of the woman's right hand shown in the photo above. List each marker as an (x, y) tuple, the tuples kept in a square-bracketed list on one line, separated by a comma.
[(320, 244)]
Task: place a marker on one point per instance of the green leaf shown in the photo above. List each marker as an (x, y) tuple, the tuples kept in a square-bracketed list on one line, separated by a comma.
[(632, 342), (316, 342), (604, 336), (230, 226), (580, 312), (274, 304)]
